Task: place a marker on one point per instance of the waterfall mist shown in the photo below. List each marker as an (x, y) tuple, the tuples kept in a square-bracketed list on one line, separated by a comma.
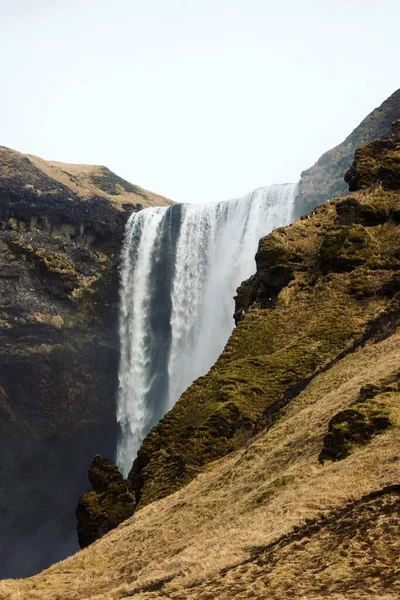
[(181, 266)]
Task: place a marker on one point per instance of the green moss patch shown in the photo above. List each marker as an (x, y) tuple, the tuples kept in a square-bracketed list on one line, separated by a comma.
[(377, 163), (344, 248), (358, 424)]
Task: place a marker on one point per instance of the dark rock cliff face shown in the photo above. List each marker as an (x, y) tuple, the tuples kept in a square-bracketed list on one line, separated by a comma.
[(60, 246), (325, 179)]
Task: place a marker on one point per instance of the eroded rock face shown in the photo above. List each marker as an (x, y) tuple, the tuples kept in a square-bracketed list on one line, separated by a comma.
[(324, 180), (110, 502), (60, 241)]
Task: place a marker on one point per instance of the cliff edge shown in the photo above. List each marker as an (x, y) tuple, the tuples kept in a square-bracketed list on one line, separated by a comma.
[(325, 179), (61, 231)]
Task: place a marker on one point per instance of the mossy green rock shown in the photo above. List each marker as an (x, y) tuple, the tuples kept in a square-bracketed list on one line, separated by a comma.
[(346, 247), (357, 425), (110, 502)]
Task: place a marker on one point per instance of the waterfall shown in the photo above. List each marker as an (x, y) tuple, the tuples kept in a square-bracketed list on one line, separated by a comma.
[(180, 269)]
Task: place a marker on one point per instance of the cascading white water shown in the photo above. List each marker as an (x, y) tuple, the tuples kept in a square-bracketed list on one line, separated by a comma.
[(180, 269)]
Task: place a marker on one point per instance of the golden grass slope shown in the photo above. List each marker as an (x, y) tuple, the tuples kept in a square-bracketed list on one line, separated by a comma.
[(212, 539), (84, 181)]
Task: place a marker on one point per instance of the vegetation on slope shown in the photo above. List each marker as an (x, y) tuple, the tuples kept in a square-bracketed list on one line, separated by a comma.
[(357, 425), (31, 176), (267, 521), (110, 502), (324, 287), (324, 180), (378, 162)]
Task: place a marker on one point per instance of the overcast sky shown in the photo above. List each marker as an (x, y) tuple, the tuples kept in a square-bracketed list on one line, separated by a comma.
[(196, 100)]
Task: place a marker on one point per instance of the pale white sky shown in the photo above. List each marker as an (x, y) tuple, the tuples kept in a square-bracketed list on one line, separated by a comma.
[(197, 100)]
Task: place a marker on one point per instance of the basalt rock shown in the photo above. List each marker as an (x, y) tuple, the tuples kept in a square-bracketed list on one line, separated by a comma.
[(61, 230), (110, 502)]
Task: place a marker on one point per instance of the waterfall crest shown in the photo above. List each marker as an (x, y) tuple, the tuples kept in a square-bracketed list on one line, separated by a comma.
[(181, 266)]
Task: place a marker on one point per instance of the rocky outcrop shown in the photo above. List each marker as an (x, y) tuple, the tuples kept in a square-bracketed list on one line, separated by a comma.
[(324, 180), (110, 502), (61, 229), (366, 417), (377, 163), (324, 287)]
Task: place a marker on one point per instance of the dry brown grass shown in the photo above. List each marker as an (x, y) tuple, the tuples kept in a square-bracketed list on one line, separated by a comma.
[(175, 548), (77, 178)]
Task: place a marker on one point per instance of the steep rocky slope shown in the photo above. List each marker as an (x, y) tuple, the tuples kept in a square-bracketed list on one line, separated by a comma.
[(277, 474), (61, 229), (322, 289), (324, 180)]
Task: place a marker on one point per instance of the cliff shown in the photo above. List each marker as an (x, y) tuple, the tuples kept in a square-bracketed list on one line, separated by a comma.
[(61, 229), (325, 179), (321, 289), (276, 474)]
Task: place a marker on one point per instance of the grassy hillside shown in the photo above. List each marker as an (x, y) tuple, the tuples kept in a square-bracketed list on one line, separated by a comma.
[(268, 521), (323, 288), (277, 474)]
